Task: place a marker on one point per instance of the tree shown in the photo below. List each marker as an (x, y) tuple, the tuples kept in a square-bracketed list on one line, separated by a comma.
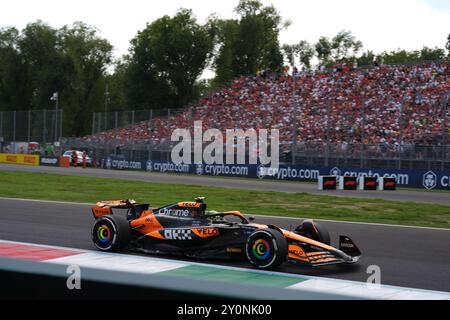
[(116, 86), (89, 56), (299, 54), (366, 59), (430, 54), (41, 60), (306, 53), (249, 44), (171, 53), (47, 68), (227, 33), (400, 56), (344, 46), (12, 72), (447, 45), (323, 49)]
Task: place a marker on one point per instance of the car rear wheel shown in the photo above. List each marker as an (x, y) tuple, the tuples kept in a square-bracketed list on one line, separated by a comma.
[(313, 230), (266, 248), (111, 233)]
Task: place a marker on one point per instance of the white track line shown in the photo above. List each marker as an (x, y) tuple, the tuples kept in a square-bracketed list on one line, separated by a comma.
[(254, 215), (354, 222), (49, 201)]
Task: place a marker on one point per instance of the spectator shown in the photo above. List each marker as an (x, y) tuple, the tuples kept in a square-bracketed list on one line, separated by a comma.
[(386, 106)]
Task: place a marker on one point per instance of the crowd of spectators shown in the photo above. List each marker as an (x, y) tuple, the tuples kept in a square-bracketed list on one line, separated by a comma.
[(386, 106)]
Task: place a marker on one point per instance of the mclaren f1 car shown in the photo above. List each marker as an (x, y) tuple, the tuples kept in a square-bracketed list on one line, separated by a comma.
[(188, 229)]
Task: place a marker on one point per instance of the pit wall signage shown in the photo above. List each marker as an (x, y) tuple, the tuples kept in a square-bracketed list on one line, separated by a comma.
[(26, 159), (423, 179)]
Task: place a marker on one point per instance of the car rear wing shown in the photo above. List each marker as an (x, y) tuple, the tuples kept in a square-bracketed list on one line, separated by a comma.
[(104, 208), (128, 203)]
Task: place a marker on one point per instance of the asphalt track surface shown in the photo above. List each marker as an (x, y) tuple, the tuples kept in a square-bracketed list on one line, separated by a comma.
[(250, 184), (408, 256)]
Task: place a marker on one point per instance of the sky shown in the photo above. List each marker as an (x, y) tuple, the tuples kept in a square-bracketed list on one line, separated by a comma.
[(382, 25)]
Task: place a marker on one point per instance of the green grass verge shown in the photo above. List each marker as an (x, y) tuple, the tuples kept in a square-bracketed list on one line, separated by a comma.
[(89, 189)]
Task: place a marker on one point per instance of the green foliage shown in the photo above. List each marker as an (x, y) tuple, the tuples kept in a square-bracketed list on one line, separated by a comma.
[(366, 59), (171, 53), (89, 57), (164, 63), (226, 37), (447, 45), (343, 47), (323, 50), (116, 86), (42, 60), (250, 44), (429, 54), (404, 56), (12, 71), (299, 54)]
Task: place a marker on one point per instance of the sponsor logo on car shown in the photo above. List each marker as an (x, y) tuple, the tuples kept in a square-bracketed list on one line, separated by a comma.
[(189, 204), (234, 250), (347, 245), (174, 212), (207, 232), (178, 234), (297, 252)]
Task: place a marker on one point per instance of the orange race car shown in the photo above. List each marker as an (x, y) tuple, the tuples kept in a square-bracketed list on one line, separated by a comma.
[(187, 229)]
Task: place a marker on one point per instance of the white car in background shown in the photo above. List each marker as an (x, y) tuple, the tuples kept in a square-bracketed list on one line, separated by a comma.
[(69, 154)]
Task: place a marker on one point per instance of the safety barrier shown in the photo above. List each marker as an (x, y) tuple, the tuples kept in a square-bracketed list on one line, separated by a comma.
[(404, 178), (355, 183)]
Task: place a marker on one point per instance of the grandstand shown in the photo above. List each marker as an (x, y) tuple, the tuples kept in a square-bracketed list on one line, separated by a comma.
[(390, 111)]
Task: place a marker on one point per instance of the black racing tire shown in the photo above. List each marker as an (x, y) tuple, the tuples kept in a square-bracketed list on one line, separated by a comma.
[(111, 233), (266, 248), (313, 230)]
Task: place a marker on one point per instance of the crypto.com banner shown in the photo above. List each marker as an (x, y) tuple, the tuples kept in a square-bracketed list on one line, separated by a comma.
[(405, 178)]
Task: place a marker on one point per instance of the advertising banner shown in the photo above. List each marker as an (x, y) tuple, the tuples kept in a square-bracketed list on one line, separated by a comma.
[(49, 161), (120, 163), (404, 178), (26, 159)]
